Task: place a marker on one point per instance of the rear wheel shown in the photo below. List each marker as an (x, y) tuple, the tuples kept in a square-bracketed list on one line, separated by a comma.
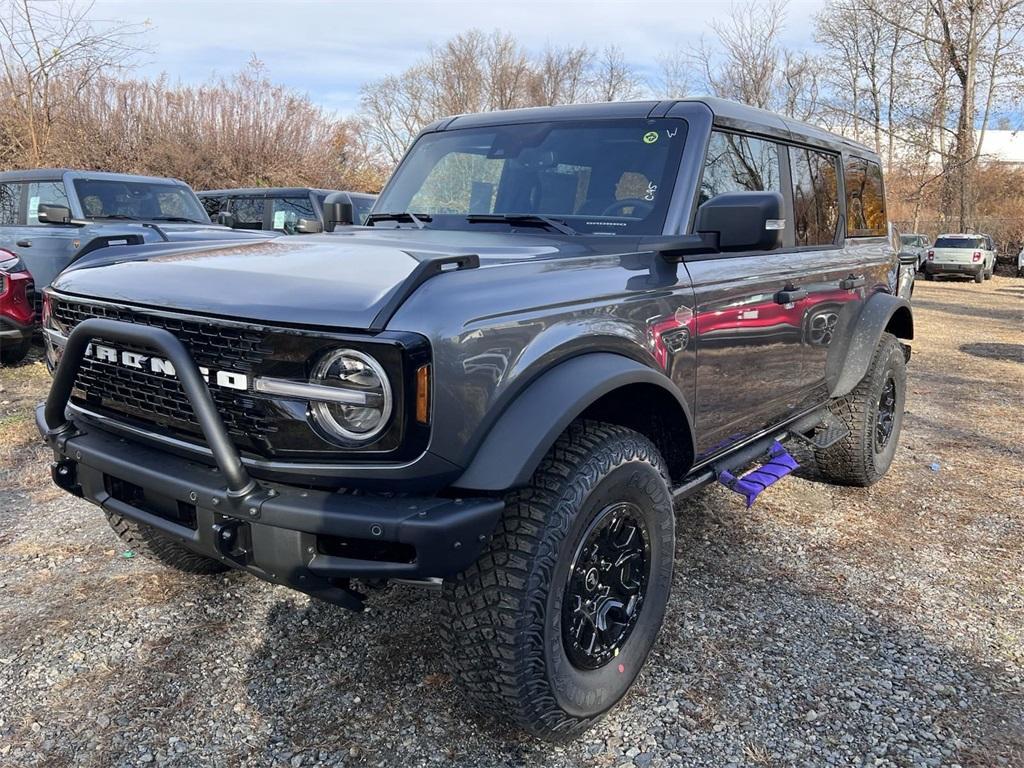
[(149, 542), (873, 413), (552, 624), (979, 276), (928, 275)]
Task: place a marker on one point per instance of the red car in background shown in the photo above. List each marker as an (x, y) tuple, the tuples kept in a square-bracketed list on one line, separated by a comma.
[(17, 309)]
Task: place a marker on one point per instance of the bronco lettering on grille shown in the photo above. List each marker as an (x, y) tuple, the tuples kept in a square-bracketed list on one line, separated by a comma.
[(141, 362)]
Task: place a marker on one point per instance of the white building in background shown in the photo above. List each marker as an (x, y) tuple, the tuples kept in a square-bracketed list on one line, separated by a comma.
[(1003, 147)]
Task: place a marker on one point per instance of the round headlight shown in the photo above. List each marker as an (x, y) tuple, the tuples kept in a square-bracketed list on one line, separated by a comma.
[(363, 406)]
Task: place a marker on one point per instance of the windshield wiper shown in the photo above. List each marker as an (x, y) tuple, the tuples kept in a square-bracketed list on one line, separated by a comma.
[(529, 219), (116, 216), (177, 219), (416, 218)]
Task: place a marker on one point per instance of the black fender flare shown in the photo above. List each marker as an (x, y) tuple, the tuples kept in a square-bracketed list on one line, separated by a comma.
[(533, 421), (857, 336)]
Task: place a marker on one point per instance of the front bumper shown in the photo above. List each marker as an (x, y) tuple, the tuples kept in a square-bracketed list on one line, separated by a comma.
[(310, 540), (303, 539), (952, 268)]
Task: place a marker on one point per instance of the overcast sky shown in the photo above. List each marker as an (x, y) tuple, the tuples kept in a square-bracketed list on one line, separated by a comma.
[(329, 49)]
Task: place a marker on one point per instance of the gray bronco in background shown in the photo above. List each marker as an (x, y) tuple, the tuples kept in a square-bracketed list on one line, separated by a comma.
[(51, 217), (557, 322)]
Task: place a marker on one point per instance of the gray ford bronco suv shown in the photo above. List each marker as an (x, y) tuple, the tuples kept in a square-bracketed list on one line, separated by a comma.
[(556, 323)]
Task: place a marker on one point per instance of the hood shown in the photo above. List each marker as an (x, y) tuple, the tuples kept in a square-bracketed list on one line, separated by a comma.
[(183, 232), (341, 280)]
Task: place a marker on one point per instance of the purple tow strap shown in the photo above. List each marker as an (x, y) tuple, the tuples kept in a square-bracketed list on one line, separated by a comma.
[(750, 485)]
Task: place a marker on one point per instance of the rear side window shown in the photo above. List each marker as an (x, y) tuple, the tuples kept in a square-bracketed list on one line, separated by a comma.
[(737, 163), (865, 199), (46, 193), (10, 205), (815, 196)]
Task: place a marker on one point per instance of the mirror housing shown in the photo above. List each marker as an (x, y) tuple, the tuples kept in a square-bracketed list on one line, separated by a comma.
[(54, 214), (309, 227), (226, 219), (338, 211), (743, 221)]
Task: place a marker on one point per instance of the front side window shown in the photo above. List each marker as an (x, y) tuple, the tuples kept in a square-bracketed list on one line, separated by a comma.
[(214, 204), (361, 207), (286, 212), (736, 163), (10, 205), (815, 196), (605, 177), (44, 193), (865, 199), (139, 200), (248, 212)]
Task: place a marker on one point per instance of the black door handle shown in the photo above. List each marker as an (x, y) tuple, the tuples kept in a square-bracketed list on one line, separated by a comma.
[(24, 243), (853, 281), (790, 295)]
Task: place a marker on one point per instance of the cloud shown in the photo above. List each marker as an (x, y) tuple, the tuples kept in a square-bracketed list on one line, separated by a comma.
[(331, 49)]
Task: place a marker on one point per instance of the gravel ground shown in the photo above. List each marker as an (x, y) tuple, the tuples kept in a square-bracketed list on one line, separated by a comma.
[(827, 626)]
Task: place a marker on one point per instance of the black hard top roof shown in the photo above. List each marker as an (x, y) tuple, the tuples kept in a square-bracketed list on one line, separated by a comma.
[(51, 174), (726, 114), (277, 191)]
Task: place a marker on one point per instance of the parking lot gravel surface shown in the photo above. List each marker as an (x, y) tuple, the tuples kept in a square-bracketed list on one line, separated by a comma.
[(826, 626)]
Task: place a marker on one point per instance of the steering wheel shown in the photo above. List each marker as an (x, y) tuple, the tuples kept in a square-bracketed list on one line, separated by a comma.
[(618, 207)]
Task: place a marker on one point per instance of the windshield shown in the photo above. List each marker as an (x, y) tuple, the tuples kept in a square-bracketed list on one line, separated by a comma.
[(912, 240), (143, 200), (960, 242), (607, 177)]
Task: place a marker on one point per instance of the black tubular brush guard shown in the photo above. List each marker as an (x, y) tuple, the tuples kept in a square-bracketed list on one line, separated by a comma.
[(229, 463), (309, 540)]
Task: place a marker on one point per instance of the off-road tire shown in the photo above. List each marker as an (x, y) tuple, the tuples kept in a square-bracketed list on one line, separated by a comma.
[(149, 542), (505, 612), (979, 276), (854, 460), (13, 352)]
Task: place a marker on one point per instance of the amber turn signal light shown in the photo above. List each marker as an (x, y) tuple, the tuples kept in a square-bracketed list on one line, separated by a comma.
[(423, 394)]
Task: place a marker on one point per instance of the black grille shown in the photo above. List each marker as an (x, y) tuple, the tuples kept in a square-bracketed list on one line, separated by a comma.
[(156, 400)]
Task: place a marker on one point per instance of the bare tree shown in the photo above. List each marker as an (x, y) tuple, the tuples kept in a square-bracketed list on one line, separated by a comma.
[(49, 52), (561, 76), (674, 74), (614, 78)]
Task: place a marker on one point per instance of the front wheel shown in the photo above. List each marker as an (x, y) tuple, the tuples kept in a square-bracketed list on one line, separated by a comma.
[(555, 620), (873, 413), (13, 352)]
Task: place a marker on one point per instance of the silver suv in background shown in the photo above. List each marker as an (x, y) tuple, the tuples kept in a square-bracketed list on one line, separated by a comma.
[(915, 244), (961, 254)]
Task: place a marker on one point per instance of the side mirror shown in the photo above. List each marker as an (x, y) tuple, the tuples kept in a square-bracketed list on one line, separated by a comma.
[(53, 214), (744, 221), (309, 227), (226, 219), (337, 211)]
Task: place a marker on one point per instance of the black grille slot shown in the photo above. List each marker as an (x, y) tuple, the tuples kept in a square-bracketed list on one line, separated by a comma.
[(157, 400)]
